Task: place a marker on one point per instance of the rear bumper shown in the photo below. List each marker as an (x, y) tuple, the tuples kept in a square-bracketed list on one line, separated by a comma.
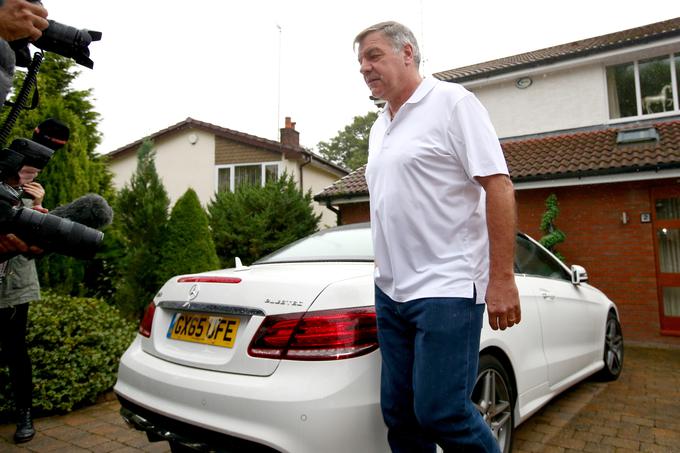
[(158, 427), (303, 407)]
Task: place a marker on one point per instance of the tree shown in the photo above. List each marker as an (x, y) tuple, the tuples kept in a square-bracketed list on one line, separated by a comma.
[(142, 217), (73, 170), (188, 246), (552, 234), (254, 221), (350, 147)]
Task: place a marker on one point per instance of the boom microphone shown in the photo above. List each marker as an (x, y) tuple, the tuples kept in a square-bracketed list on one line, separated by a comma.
[(91, 210)]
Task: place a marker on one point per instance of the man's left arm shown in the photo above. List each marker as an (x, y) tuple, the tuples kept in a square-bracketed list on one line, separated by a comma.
[(502, 297)]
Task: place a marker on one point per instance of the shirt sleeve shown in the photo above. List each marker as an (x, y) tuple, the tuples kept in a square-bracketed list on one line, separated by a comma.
[(474, 139)]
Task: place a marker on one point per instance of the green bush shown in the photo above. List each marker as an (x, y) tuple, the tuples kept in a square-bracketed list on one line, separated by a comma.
[(75, 344), (254, 221), (188, 246)]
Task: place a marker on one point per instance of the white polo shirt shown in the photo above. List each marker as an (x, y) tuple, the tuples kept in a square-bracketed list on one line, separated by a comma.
[(428, 214)]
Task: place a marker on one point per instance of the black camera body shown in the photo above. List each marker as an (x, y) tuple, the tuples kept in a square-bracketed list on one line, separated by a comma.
[(63, 39), (49, 232)]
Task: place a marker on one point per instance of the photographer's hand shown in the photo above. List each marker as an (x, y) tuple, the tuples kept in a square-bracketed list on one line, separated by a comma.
[(10, 244), (36, 191), (22, 19)]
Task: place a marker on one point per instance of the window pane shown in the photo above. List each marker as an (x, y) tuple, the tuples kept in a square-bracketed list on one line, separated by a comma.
[(533, 260), (671, 301), (669, 250), (271, 173), (223, 177), (621, 90), (655, 85), (667, 208), (247, 174)]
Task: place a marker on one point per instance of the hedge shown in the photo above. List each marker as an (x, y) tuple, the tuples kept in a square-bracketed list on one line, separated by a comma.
[(75, 344)]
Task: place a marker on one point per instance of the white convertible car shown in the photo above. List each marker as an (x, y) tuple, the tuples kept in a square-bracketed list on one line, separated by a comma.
[(282, 355)]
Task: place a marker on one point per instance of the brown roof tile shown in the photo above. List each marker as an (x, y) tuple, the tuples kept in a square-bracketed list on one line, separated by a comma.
[(586, 153), (576, 49)]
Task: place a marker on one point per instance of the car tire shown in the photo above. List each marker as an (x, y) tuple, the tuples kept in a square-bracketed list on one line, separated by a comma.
[(493, 395), (613, 350)]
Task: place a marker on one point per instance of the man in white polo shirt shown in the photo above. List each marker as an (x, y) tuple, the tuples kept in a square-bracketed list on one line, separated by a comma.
[(444, 224)]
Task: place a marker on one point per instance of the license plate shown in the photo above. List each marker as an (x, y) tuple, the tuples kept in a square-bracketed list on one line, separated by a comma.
[(202, 328)]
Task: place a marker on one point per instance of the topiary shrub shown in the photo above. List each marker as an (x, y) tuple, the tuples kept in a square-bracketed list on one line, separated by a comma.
[(188, 246), (75, 344)]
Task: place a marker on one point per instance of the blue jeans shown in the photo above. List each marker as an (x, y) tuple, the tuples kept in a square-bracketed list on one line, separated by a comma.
[(430, 355)]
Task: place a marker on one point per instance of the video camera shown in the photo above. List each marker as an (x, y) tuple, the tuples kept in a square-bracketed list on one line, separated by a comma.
[(51, 233), (63, 39)]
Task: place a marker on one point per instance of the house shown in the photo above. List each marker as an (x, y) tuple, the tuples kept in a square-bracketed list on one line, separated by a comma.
[(210, 158), (597, 123)]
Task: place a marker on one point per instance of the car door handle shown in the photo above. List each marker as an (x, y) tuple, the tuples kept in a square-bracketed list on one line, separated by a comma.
[(547, 296)]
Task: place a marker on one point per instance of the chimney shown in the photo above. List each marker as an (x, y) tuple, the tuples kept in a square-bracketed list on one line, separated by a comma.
[(289, 136)]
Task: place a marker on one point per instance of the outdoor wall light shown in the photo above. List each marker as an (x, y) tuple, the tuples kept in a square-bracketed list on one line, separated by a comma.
[(523, 82)]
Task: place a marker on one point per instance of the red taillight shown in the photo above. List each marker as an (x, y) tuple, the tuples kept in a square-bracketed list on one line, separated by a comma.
[(197, 279), (321, 335), (147, 320)]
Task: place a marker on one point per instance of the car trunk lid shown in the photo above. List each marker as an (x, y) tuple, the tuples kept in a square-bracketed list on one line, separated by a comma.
[(208, 320)]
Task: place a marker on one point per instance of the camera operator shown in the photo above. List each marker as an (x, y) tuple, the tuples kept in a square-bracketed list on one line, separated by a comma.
[(18, 19), (18, 287)]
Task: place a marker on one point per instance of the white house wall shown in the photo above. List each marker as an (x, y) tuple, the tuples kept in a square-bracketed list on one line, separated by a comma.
[(179, 163), (554, 101)]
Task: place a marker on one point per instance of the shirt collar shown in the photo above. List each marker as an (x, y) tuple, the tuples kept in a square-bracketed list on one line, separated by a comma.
[(426, 85)]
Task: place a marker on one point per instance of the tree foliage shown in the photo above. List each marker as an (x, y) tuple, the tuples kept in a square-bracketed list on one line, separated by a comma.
[(188, 246), (74, 170), (350, 147), (142, 217), (552, 234), (254, 221)]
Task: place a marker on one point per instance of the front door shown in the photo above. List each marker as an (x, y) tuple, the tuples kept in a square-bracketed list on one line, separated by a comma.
[(666, 222)]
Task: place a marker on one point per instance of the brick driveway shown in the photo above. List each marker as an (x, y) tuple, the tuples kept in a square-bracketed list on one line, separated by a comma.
[(639, 412)]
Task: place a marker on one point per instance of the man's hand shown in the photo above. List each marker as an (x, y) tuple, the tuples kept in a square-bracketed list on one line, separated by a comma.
[(9, 243), (502, 303), (37, 193), (21, 19)]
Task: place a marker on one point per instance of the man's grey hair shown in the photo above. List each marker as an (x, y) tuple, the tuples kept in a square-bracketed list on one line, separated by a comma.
[(399, 35)]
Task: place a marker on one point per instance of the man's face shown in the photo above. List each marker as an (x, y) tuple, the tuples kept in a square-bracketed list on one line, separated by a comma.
[(27, 174), (381, 66)]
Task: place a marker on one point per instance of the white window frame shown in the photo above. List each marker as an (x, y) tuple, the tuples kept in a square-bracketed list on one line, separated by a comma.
[(638, 91), (232, 172)]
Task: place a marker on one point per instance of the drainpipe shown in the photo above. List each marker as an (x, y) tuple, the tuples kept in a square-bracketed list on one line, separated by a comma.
[(308, 160), (335, 210)]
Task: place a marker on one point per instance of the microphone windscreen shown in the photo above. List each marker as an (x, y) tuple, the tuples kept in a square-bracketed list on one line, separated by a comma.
[(91, 210)]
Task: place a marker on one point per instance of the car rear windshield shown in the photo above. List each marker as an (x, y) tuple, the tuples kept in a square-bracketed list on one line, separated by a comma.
[(349, 243)]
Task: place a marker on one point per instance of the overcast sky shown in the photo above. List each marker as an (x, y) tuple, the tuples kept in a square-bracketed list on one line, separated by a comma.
[(161, 61)]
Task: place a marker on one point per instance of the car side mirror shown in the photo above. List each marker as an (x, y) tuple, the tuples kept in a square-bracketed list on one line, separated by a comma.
[(578, 274)]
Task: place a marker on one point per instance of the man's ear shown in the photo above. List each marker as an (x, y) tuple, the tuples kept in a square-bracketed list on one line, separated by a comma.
[(407, 51)]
